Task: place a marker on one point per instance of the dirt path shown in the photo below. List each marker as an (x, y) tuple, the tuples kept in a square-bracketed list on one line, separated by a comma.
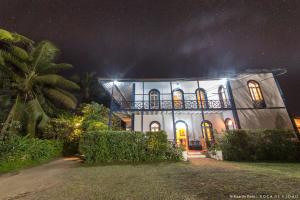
[(36, 179)]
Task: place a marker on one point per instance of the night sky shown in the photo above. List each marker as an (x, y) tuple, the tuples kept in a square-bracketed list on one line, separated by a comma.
[(176, 38)]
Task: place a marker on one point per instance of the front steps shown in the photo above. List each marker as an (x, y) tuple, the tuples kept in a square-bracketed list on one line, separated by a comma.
[(196, 154)]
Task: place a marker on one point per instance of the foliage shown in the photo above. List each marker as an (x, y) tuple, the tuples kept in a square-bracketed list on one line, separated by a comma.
[(69, 127), (18, 152), (90, 89), (33, 81), (157, 144), (92, 113), (97, 115), (260, 145), (110, 146)]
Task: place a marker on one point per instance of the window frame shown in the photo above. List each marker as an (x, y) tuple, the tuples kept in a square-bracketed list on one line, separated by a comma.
[(205, 101), (154, 122), (223, 102), (256, 103), (211, 130), (226, 126), (149, 94), (182, 99)]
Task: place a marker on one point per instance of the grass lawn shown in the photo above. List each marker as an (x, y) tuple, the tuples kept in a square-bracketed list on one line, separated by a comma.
[(199, 179)]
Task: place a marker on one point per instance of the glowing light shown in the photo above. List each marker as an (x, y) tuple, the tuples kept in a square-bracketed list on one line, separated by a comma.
[(224, 80), (116, 82), (229, 122), (77, 124)]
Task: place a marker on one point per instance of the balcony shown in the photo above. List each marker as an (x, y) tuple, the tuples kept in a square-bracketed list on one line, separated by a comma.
[(175, 105)]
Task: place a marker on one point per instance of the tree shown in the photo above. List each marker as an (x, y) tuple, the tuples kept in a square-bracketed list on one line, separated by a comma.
[(33, 78), (90, 89)]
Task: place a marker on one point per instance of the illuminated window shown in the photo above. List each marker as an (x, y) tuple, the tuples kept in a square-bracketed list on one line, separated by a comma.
[(181, 134), (154, 99), (178, 99), (229, 124), (201, 98), (154, 126), (297, 122), (256, 94), (207, 130), (222, 97)]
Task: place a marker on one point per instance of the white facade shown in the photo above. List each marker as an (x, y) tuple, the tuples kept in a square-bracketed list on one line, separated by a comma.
[(256, 106)]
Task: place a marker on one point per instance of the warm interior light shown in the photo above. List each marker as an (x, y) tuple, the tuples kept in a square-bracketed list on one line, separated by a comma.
[(229, 122)]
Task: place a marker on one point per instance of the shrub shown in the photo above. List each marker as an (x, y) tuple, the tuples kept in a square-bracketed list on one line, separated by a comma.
[(124, 146), (156, 144), (67, 128), (259, 145), (17, 152)]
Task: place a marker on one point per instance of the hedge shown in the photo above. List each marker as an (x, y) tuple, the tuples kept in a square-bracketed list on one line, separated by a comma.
[(18, 152), (260, 145), (125, 146)]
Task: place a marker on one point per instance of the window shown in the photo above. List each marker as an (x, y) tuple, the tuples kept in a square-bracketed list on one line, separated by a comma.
[(178, 99), (154, 126), (223, 97), (201, 98), (182, 134), (154, 98), (207, 130), (256, 94), (229, 124)]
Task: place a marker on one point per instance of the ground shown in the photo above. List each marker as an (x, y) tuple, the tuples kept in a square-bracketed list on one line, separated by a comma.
[(68, 178)]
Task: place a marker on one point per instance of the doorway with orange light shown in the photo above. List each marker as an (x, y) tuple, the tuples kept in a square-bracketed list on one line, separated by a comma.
[(207, 131), (182, 134)]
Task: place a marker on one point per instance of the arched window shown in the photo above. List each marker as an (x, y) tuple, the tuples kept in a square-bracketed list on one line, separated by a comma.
[(154, 126), (201, 98), (154, 99), (182, 134), (207, 130), (222, 97), (256, 94), (178, 99), (229, 124)]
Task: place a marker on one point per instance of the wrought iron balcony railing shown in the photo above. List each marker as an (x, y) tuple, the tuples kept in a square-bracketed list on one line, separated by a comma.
[(176, 105)]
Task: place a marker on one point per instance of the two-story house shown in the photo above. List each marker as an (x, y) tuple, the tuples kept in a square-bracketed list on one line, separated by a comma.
[(193, 110)]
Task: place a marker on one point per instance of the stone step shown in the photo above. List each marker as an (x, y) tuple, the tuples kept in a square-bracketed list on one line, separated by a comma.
[(196, 156), (195, 152)]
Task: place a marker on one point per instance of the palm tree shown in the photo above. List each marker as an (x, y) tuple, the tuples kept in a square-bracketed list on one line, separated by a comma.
[(33, 79)]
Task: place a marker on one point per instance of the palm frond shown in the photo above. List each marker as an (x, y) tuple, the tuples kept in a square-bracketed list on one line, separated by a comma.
[(22, 39), (68, 94), (43, 55), (47, 106), (9, 58), (10, 73), (60, 97), (36, 116), (52, 68), (56, 81), (19, 53), (5, 35)]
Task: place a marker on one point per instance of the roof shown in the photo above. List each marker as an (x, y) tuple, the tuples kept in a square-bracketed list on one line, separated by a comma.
[(278, 71)]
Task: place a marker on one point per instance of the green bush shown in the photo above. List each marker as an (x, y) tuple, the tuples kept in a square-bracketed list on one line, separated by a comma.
[(18, 152), (112, 146), (156, 144), (259, 145)]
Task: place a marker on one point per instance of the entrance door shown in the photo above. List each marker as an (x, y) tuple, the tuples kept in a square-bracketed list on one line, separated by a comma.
[(207, 131), (182, 134)]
